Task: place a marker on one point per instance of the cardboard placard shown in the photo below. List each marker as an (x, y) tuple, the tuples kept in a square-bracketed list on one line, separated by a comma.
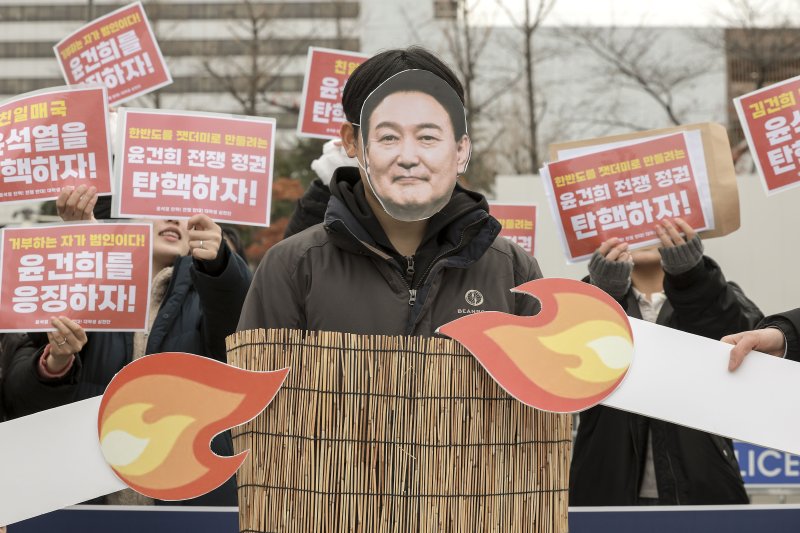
[(770, 119), (626, 190), (118, 50), (719, 167), (327, 71), (53, 138), (174, 164), (519, 223), (98, 275)]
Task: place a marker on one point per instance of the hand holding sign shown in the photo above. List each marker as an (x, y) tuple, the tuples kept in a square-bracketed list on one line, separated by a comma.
[(76, 203), (670, 236), (67, 340), (768, 340), (205, 237)]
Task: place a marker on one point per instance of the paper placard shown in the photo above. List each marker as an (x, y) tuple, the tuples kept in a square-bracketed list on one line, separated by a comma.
[(53, 138), (770, 119), (719, 167), (327, 71), (118, 50), (174, 164), (624, 191), (518, 222), (98, 275)]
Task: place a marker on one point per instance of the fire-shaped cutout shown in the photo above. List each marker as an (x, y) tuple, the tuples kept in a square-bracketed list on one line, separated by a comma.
[(159, 414), (569, 357)]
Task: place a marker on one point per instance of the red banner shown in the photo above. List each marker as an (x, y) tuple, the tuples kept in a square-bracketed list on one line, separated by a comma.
[(53, 138), (519, 223), (175, 164), (623, 192), (770, 118), (327, 71), (95, 274), (117, 50)]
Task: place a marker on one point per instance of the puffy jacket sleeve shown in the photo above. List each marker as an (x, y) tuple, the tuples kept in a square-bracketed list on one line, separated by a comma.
[(789, 324), (310, 209), (706, 304), (221, 299), (24, 391), (274, 299)]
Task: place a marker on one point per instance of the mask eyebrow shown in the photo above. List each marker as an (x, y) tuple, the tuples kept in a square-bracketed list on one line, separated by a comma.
[(417, 127)]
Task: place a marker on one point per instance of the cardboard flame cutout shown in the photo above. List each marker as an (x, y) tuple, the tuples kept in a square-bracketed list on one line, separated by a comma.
[(569, 357), (159, 414)]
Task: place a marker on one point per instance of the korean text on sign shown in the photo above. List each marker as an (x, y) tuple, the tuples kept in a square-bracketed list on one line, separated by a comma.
[(327, 71), (770, 118), (117, 50), (176, 164), (518, 223), (96, 274), (623, 192), (53, 138)]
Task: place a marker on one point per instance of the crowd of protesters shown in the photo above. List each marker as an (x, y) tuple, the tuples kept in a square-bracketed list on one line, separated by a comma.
[(401, 275)]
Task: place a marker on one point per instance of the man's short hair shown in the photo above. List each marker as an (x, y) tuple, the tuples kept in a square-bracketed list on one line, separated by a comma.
[(372, 74)]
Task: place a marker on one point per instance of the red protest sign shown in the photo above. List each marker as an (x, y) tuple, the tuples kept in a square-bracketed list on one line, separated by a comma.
[(52, 138), (519, 223), (327, 71), (96, 274), (117, 50), (623, 192), (770, 118), (175, 164)]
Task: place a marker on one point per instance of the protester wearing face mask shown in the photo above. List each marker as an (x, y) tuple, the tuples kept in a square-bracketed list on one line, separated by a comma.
[(402, 246)]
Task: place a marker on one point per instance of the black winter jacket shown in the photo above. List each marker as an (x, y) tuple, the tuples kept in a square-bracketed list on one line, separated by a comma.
[(789, 324), (692, 467), (197, 313), (344, 275)]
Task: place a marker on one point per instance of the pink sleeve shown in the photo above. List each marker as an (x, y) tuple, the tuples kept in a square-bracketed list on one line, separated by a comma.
[(43, 372)]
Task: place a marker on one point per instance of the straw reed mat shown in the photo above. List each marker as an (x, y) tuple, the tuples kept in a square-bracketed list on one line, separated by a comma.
[(377, 434)]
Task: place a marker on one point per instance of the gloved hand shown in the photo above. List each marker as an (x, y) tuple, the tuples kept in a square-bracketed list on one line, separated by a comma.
[(333, 156)]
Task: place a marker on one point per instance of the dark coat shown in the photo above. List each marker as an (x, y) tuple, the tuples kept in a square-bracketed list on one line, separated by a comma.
[(789, 324), (692, 467), (336, 277), (197, 313)]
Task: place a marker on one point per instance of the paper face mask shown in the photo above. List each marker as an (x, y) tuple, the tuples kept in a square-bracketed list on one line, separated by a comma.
[(414, 144)]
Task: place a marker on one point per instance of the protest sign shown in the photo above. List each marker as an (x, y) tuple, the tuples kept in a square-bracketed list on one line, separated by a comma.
[(53, 138), (98, 275), (327, 71), (625, 190), (519, 223), (174, 164), (719, 166), (770, 119), (117, 50)]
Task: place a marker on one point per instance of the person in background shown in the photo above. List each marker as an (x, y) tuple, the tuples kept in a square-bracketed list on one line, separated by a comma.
[(621, 458), (198, 287), (311, 206), (777, 335)]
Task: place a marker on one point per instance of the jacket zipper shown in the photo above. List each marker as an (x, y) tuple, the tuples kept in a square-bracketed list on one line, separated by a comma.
[(448, 252)]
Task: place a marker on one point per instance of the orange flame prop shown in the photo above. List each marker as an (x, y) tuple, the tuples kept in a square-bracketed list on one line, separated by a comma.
[(567, 358), (159, 414)]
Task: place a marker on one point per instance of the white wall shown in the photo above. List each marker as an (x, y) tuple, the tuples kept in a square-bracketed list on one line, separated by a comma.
[(763, 256)]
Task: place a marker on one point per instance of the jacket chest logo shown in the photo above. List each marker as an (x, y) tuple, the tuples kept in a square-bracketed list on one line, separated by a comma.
[(473, 297)]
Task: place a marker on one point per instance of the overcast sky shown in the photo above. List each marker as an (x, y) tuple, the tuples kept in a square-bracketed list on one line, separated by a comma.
[(635, 12)]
